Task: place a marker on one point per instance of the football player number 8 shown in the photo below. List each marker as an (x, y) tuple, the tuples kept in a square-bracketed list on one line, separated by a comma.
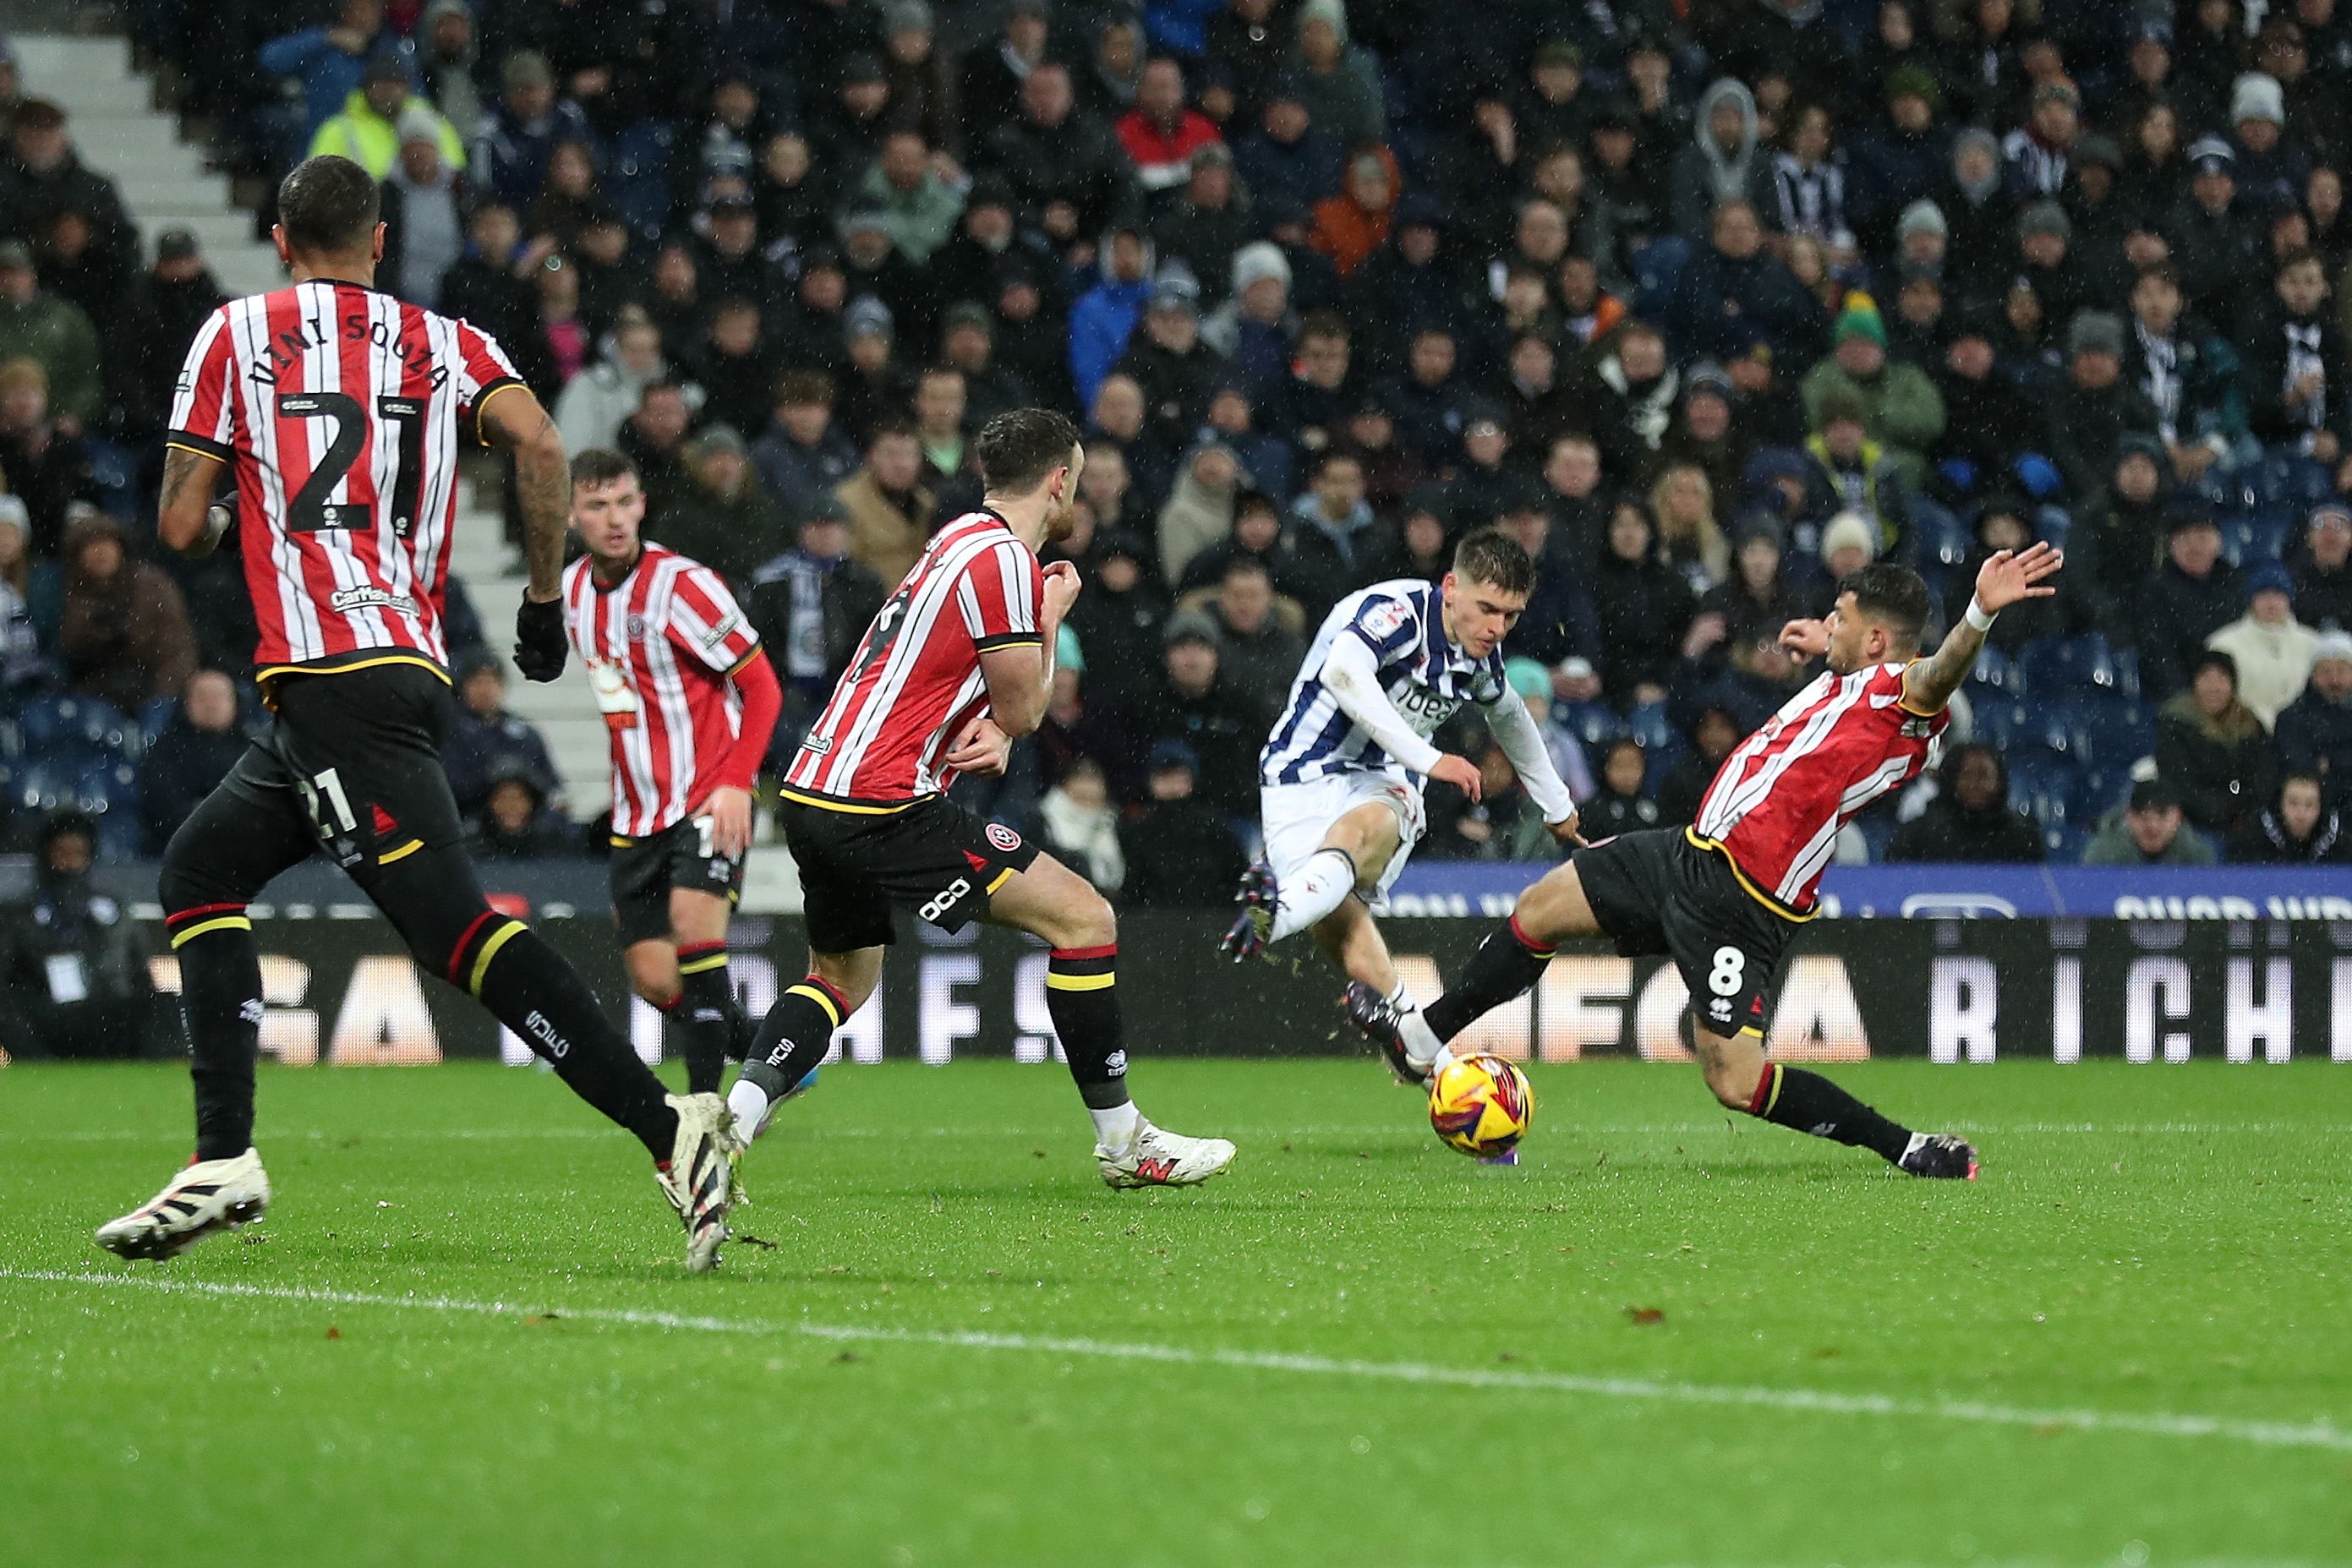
[(1730, 964)]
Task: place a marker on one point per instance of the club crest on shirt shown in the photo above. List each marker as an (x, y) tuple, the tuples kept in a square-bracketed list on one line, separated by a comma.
[(636, 628), (1002, 837)]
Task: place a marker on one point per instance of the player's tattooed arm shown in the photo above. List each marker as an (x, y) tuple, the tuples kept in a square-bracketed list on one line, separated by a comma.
[(182, 511), (2006, 578), (517, 423)]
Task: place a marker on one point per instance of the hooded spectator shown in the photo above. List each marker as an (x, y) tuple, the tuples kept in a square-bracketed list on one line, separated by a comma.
[(514, 823), (1195, 701), (2191, 595), (1336, 81), (1290, 158), (2298, 827), (125, 636), (74, 978), (1199, 512), (1644, 607), (1351, 225), (1722, 164), (485, 742), (189, 759), (1180, 854)]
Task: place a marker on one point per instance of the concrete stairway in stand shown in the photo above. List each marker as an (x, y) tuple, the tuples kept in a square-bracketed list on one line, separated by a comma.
[(110, 118)]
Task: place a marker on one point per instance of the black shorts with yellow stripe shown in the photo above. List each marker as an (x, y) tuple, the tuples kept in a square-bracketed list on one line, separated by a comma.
[(858, 859), (646, 869), (1661, 892)]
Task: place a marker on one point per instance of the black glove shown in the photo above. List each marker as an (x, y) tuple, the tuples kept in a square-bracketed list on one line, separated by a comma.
[(540, 642)]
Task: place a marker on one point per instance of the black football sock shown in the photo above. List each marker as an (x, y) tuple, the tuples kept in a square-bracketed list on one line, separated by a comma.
[(1082, 996), (530, 988), (705, 1013), (220, 998), (794, 1037), (1505, 966), (1809, 1102)]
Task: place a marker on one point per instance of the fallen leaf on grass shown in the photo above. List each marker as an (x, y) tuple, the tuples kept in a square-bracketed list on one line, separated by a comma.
[(1642, 1317)]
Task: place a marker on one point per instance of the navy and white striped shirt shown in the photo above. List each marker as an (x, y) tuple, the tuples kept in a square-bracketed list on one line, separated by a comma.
[(1425, 678)]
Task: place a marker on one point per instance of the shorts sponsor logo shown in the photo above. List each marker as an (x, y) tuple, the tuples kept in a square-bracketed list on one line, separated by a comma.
[(945, 900), (1002, 837), (369, 597)]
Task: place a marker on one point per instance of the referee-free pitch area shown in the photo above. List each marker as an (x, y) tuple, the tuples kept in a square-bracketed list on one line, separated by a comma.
[(465, 1333)]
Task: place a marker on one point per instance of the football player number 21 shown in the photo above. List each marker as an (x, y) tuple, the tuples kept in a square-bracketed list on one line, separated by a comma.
[(322, 793), (307, 511)]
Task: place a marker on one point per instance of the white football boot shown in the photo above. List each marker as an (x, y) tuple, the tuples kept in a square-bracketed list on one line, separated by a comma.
[(700, 1177), (1161, 1158), (209, 1196)]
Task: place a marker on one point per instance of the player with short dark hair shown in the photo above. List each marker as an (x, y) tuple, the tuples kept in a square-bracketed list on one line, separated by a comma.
[(340, 410), (1723, 896), (959, 663), (1339, 779), (689, 701)]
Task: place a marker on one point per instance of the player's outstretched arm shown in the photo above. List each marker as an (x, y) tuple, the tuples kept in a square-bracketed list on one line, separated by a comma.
[(184, 511), (512, 420), (2005, 580)]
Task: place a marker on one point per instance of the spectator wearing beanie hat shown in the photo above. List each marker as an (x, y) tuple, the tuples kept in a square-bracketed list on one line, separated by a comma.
[(2271, 170), (1255, 327), (2037, 152), (1922, 239), (2314, 734), (2272, 649), (2212, 248), (2047, 261), (1892, 161), (2095, 408), (1901, 410), (2323, 569)]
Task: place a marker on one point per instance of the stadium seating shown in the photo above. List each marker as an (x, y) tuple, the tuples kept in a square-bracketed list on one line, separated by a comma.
[(46, 722)]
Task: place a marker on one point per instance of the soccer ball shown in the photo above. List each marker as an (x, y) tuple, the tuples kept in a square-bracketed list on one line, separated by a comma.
[(1481, 1105)]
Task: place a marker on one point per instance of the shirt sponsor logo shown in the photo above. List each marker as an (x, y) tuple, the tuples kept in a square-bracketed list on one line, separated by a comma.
[(369, 597)]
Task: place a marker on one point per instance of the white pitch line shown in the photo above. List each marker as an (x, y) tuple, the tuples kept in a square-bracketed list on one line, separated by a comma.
[(2267, 1434)]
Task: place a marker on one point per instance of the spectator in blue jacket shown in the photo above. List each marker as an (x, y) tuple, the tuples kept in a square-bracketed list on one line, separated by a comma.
[(189, 759), (329, 62), (485, 742), (1105, 315)]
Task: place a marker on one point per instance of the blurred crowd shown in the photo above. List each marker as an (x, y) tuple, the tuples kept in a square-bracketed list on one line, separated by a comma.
[(1707, 304)]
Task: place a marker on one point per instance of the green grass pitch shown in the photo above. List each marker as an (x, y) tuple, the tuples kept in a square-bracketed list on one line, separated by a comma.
[(465, 1333)]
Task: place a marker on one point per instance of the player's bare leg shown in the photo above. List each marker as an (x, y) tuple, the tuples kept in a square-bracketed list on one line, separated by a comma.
[(1052, 901), (691, 965), (791, 1042)]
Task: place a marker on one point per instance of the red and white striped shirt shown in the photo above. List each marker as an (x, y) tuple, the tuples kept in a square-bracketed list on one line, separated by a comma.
[(915, 681), (1777, 801), (660, 645), (341, 410)]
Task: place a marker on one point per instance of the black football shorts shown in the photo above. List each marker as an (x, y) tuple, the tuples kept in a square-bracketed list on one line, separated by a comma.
[(645, 870), (1658, 893), (360, 753), (932, 853)]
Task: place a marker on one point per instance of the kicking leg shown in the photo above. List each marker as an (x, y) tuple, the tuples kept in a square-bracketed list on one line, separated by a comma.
[(1050, 901), (794, 1037), (1740, 1077), (1375, 997), (1513, 956), (1354, 852)]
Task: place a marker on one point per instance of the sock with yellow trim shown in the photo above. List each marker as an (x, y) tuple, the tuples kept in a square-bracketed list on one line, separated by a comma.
[(1506, 964), (706, 1014), (1809, 1102), (220, 1000), (529, 988), (1082, 999), (791, 1044)]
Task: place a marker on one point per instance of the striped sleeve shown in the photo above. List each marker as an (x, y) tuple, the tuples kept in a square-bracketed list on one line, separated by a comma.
[(706, 623), (1386, 625), (203, 412), (1000, 594), (483, 371)]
